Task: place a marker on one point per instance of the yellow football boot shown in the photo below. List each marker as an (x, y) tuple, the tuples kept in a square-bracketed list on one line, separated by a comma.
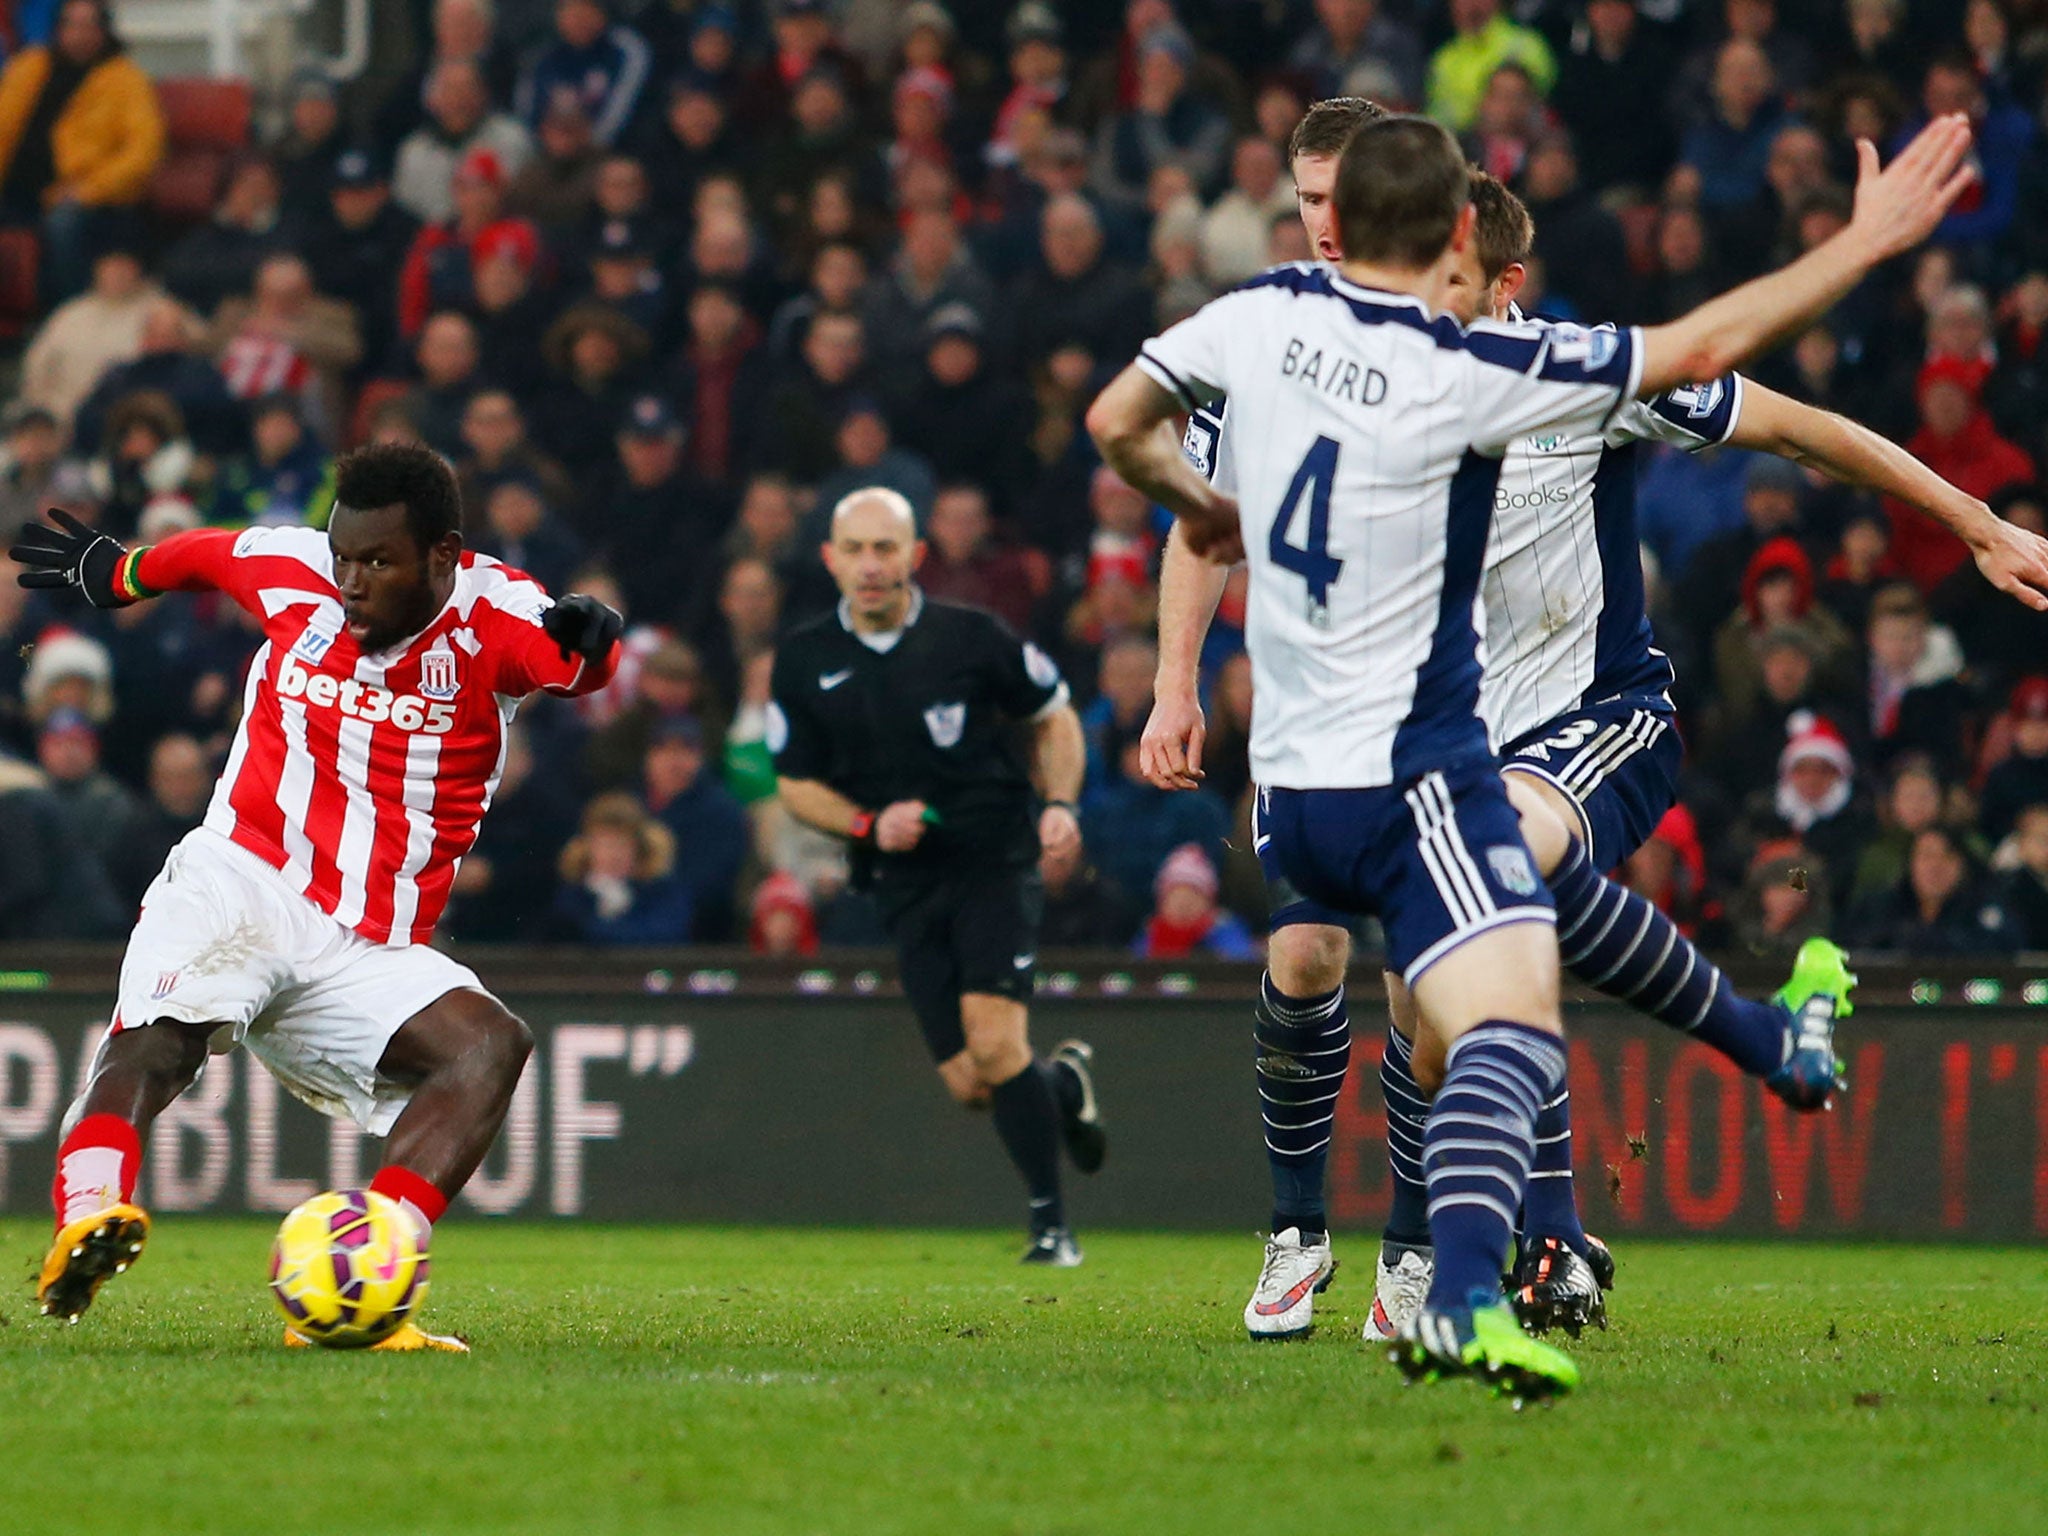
[(410, 1336), (85, 1253)]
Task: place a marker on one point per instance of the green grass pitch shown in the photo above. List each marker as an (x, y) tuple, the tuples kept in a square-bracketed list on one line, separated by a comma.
[(739, 1381)]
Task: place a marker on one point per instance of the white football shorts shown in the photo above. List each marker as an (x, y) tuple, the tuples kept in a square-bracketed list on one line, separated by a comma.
[(222, 939)]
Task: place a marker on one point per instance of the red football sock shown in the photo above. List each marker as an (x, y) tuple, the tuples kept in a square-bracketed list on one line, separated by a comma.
[(421, 1199), (96, 1167)]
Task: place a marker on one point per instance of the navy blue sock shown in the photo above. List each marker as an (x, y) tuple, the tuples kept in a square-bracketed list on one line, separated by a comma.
[(1616, 942), (1480, 1142), (1407, 1114), (1302, 1048), (1551, 1206), (1028, 1121)]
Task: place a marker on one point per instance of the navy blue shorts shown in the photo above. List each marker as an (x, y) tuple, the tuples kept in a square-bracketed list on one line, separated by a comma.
[(1438, 861), (1617, 762)]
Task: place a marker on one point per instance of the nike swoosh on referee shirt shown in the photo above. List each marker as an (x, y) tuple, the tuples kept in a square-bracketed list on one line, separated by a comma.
[(830, 680)]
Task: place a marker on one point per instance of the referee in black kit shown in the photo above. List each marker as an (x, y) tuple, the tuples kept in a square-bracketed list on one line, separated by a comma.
[(891, 726)]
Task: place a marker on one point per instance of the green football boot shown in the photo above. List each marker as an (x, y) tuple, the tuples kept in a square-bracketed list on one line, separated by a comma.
[(1817, 998), (1485, 1342)]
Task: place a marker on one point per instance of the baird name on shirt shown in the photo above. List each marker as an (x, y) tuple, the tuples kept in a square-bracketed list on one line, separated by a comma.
[(364, 701), (1340, 378)]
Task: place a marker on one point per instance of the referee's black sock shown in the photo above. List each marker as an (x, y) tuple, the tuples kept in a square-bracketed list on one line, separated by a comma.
[(1027, 1118)]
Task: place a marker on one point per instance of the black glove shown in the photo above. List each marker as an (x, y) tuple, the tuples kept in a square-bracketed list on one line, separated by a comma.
[(581, 626), (73, 555)]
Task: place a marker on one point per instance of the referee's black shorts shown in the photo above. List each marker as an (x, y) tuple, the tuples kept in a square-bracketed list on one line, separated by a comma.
[(962, 933)]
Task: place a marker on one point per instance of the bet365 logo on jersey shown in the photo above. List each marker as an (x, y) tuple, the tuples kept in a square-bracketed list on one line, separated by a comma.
[(362, 701)]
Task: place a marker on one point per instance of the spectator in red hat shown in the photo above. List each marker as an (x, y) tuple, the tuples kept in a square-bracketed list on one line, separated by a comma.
[(508, 304), (1958, 442), (1777, 594), (1814, 800), (920, 110), (1186, 920), (459, 119), (782, 922), (2022, 779), (439, 270)]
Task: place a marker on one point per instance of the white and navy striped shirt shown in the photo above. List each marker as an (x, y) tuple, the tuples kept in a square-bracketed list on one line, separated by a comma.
[(1366, 442), (1566, 620)]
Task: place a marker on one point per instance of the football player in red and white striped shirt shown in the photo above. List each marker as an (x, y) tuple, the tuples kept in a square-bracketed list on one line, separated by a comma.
[(296, 918)]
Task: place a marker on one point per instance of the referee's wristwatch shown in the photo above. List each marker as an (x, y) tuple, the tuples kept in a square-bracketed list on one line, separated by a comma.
[(862, 828), (1064, 805)]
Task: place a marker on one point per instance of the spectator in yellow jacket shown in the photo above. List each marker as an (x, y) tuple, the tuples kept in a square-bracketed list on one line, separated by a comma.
[(1484, 40), (80, 137)]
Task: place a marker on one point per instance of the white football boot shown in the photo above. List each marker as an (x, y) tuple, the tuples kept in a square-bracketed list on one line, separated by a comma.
[(1283, 1305), (1402, 1289)]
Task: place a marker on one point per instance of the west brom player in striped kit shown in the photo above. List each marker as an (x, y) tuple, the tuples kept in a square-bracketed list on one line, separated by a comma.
[(1578, 693), (1370, 438), (296, 918)]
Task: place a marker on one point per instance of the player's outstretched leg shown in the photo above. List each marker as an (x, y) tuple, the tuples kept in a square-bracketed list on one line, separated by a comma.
[(462, 1056), (1301, 1051), (1477, 1154), (1620, 944), (1405, 1267), (100, 1228)]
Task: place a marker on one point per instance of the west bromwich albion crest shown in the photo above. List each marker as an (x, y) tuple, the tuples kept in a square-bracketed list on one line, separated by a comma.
[(946, 722), (1512, 869), (437, 674)]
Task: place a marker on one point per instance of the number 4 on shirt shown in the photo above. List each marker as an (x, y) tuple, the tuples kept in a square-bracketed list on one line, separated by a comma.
[(1311, 561)]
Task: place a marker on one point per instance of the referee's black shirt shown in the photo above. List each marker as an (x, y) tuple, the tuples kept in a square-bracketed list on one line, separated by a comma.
[(922, 716)]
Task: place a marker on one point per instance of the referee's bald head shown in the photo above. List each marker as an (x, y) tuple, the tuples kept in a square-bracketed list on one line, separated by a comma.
[(884, 502)]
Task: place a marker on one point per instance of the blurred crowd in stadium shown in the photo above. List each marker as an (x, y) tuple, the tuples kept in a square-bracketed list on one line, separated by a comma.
[(666, 279)]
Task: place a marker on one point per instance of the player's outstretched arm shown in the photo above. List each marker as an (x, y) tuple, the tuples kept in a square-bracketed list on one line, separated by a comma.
[(2012, 559), (1170, 750), (66, 553), (1896, 209), (1131, 422), (108, 574)]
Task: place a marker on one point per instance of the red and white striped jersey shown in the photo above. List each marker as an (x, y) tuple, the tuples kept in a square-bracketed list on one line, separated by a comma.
[(363, 778)]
